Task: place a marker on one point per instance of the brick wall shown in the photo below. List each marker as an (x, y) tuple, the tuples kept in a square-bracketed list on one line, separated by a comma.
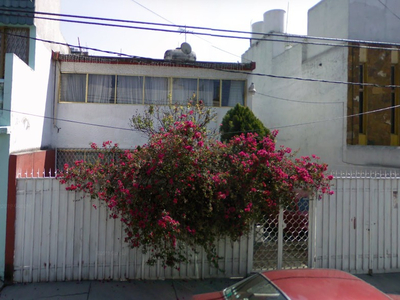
[(376, 67)]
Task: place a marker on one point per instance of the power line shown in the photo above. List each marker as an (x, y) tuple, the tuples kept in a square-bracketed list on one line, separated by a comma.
[(388, 8), (275, 127), (339, 118), (229, 71), (158, 15), (66, 120), (299, 101), (302, 39), (153, 12), (224, 70), (248, 73), (306, 79)]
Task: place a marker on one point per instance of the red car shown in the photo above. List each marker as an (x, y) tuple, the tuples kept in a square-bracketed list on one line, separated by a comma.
[(300, 284)]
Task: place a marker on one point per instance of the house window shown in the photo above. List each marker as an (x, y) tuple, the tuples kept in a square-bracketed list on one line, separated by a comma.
[(232, 92), (156, 90), (209, 92), (115, 89), (73, 87), (13, 40), (183, 90), (101, 89), (129, 89)]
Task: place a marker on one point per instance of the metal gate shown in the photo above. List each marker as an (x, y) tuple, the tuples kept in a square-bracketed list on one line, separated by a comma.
[(358, 227), (282, 241)]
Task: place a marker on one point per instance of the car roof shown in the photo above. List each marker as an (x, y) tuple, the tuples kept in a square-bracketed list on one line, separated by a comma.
[(322, 284)]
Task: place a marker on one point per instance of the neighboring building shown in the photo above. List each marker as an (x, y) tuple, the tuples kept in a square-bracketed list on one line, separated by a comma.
[(98, 96), (52, 100), (316, 117), (26, 91)]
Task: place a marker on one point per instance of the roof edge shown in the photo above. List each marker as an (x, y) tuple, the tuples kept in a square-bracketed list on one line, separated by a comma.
[(57, 56)]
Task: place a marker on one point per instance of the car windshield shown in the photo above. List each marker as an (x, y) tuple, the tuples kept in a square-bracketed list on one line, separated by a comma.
[(252, 288)]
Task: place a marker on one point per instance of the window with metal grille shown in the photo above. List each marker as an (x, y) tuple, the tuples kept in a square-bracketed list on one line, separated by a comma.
[(13, 40)]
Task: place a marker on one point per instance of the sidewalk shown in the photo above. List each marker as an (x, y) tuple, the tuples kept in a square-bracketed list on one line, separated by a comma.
[(149, 290), (388, 283), (135, 289)]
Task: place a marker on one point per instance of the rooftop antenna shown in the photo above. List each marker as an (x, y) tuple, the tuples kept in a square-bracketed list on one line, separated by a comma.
[(79, 44), (183, 30)]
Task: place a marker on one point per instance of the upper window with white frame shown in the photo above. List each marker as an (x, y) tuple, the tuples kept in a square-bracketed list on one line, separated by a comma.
[(118, 89)]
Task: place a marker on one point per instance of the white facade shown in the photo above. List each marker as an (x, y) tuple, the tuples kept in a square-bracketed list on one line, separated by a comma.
[(311, 115), (368, 20), (82, 123)]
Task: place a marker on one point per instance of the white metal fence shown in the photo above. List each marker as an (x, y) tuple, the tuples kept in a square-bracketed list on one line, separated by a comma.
[(358, 228), (60, 236)]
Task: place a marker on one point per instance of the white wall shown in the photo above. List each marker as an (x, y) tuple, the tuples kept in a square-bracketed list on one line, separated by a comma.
[(75, 119), (329, 18), (49, 29), (145, 70), (371, 20), (31, 100), (355, 19), (298, 121), (77, 123), (33, 89)]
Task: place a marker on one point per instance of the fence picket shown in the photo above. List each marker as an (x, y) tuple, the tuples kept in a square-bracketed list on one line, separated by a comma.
[(77, 244)]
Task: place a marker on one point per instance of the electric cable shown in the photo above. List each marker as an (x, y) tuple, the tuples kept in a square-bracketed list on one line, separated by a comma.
[(272, 128), (199, 37), (388, 8), (303, 39), (224, 70), (299, 101)]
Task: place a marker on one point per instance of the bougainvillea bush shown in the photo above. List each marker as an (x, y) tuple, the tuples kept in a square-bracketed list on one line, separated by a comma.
[(183, 189)]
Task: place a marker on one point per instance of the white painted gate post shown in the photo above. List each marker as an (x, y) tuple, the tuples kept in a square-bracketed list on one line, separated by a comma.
[(281, 225), (312, 232)]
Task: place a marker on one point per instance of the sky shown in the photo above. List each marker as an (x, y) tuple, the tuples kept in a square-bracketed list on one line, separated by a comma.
[(219, 14)]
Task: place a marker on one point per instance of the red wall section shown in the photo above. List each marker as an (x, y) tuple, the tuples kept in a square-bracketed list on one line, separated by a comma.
[(19, 165), (36, 162)]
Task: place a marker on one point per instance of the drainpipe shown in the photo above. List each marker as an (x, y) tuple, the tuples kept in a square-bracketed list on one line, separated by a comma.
[(4, 156), (5, 133)]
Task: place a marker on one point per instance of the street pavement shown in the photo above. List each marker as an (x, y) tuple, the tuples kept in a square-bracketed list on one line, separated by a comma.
[(388, 283), (99, 290), (147, 289)]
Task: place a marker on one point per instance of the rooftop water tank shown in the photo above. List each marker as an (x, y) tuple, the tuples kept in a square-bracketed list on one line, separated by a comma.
[(256, 28), (274, 21), (184, 53)]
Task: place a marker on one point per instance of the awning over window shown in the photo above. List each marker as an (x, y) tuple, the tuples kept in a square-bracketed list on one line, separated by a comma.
[(17, 12)]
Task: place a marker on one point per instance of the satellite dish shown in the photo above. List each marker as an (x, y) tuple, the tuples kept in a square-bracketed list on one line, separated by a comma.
[(185, 47)]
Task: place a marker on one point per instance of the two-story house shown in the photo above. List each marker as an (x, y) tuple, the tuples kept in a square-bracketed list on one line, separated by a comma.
[(97, 96)]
